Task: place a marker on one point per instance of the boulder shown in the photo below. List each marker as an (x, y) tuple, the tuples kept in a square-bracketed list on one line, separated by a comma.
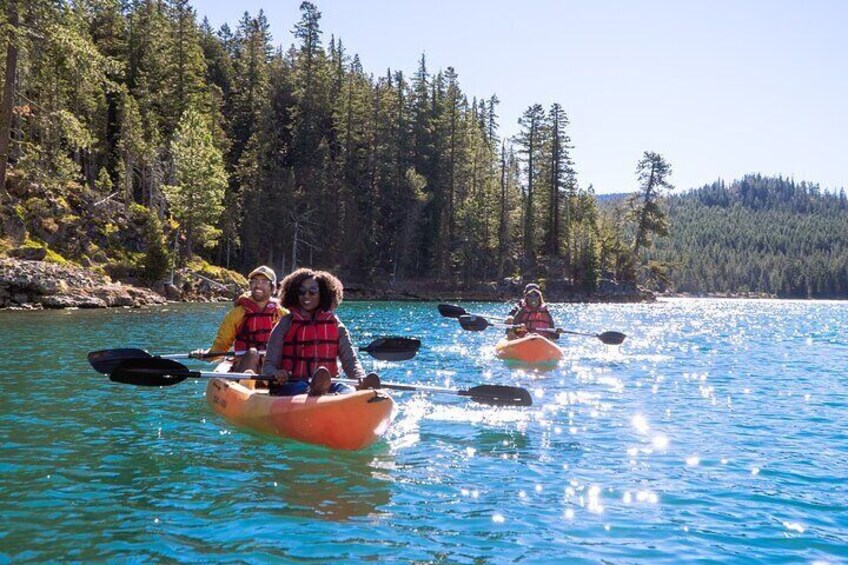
[(29, 253), (59, 301), (172, 292)]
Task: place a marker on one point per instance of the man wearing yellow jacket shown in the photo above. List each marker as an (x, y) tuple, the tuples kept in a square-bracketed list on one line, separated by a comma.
[(248, 325)]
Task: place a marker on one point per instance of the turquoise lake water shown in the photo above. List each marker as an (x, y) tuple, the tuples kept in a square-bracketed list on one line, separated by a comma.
[(717, 433)]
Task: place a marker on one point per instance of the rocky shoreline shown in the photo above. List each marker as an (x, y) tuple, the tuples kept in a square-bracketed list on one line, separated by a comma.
[(35, 285)]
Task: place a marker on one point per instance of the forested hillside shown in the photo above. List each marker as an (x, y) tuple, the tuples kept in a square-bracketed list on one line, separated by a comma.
[(758, 234), (226, 145)]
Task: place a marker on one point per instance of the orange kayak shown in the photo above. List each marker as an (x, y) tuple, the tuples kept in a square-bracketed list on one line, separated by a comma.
[(531, 348), (339, 421)]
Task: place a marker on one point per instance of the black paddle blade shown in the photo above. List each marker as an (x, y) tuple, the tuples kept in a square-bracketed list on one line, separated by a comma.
[(393, 348), (451, 310), (499, 395), (473, 323), (612, 338), (151, 372), (106, 360)]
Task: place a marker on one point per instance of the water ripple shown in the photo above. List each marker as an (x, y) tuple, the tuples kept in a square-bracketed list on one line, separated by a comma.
[(715, 433)]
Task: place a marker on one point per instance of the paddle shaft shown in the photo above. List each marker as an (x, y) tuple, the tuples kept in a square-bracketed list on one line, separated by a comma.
[(208, 355), (213, 355), (392, 348), (352, 382), (516, 326)]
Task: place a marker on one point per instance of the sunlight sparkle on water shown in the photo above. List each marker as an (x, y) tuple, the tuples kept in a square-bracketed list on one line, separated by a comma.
[(693, 461), (593, 503), (794, 526), (498, 518), (647, 496), (640, 423), (473, 493)]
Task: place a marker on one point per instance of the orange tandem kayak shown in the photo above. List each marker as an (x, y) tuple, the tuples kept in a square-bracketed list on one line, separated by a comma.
[(531, 348), (339, 421)]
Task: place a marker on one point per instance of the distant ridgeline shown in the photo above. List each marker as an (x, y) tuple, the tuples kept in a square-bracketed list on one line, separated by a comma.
[(760, 235)]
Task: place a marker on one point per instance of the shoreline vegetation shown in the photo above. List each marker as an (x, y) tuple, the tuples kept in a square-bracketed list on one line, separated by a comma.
[(141, 141), (140, 145), (37, 285)]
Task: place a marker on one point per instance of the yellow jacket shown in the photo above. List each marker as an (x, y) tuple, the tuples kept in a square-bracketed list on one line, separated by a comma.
[(229, 328)]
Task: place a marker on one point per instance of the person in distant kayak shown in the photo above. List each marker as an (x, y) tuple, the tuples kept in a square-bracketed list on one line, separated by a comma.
[(307, 344), (248, 325), (531, 315)]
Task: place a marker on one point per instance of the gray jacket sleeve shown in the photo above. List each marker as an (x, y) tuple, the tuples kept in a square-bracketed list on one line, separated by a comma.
[(274, 349), (347, 354)]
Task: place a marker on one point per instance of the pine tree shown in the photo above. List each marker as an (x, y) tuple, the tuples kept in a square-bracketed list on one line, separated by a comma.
[(560, 173), (157, 257), (196, 198), (645, 205), (8, 101), (189, 66), (529, 142)]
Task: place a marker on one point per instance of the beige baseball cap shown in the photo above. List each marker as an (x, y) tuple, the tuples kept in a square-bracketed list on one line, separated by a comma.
[(266, 272)]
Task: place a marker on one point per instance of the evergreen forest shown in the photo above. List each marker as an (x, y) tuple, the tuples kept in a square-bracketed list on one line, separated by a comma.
[(761, 235), (135, 139), (233, 149)]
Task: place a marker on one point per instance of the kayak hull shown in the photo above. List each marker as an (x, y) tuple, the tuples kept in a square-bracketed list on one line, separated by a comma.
[(338, 421), (531, 349)]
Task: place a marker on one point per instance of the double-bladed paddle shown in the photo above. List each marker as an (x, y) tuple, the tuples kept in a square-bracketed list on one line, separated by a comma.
[(454, 311), (475, 323), (392, 348), (157, 371)]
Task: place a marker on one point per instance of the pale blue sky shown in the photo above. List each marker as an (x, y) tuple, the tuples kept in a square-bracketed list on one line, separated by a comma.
[(720, 88)]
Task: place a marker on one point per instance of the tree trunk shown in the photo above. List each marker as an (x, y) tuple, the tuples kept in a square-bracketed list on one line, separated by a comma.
[(502, 220), (8, 101), (294, 246)]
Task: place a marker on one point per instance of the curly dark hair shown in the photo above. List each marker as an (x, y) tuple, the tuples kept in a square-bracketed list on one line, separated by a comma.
[(332, 290)]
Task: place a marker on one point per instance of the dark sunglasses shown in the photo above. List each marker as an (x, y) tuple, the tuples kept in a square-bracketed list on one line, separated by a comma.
[(312, 290)]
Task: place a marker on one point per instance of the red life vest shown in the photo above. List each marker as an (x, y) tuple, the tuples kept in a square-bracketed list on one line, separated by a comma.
[(534, 318), (256, 326), (309, 344)]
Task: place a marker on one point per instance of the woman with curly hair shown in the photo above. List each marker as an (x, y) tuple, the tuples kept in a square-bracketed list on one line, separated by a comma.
[(306, 345)]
